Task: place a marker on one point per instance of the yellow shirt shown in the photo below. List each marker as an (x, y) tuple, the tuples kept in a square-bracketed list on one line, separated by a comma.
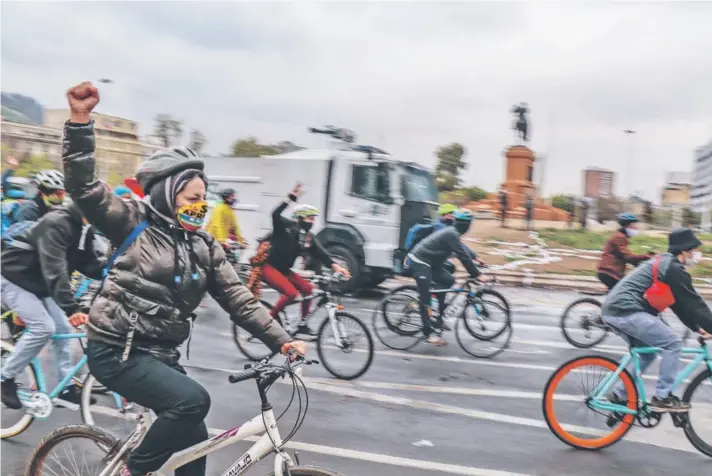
[(223, 223)]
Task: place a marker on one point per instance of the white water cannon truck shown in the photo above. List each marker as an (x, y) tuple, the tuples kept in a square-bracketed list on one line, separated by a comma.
[(368, 199)]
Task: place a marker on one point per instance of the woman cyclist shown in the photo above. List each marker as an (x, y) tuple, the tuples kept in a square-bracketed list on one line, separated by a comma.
[(611, 267), (290, 239), (143, 310)]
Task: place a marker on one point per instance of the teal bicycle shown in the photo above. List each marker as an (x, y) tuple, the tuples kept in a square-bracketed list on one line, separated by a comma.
[(37, 398), (597, 377)]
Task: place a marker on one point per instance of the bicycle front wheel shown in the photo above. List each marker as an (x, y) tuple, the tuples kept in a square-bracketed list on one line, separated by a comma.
[(345, 346), (582, 325), (89, 444), (15, 422), (476, 340), (699, 395)]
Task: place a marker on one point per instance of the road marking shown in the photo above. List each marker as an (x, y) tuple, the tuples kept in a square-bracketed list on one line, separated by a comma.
[(385, 459)]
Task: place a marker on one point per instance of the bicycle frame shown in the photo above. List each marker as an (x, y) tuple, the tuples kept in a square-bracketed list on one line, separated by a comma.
[(701, 354)]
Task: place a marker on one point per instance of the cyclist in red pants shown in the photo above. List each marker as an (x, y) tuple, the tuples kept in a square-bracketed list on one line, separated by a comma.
[(290, 239)]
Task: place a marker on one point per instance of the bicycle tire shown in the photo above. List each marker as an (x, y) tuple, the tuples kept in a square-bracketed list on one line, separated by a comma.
[(26, 420), (251, 354), (700, 444), (409, 344), (558, 430), (310, 471), (324, 361), (103, 439), (461, 322), (569, 338), (475, 332), (491, 292), (395, 327)]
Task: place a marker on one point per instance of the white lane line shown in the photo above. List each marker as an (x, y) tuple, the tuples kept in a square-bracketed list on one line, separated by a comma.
[(667, 439), (385, 459)]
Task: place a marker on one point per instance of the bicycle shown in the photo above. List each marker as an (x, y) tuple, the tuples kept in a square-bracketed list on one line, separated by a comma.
[(621, 417), (233, 250), (37, 398), (265, 423), (405, 321), (591, 322), (334, 328)]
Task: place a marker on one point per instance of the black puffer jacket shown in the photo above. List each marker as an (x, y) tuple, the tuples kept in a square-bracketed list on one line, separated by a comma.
[(141, 283), (47, 254)]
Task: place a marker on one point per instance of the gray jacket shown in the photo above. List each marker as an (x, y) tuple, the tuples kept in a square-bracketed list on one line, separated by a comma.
[(436, 248), (141, 285), (626, 297)]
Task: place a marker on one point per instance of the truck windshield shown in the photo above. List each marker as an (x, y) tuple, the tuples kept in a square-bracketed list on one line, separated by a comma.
[(418, 186)]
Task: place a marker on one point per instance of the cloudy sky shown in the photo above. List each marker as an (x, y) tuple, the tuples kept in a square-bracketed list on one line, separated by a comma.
[(404, 76)]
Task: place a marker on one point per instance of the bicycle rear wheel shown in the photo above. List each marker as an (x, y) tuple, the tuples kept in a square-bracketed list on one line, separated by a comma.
[(699, 430), (395, 340), (401, 311), (586, 437), (356, 343), (250, 346), (581, 323), (93, 441), (15, 422)]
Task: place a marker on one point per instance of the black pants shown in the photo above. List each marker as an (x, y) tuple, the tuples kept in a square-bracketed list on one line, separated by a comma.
[(180, 402), (425, 276), (608, 281)]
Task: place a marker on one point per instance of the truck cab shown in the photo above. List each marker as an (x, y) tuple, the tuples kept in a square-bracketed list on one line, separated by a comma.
[(368, 199)]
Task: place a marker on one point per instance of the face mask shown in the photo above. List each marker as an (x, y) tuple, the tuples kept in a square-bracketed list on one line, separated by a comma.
[(631, 232), (693, 259), (55, 199), (305, 225), (230, 201), (192, 215), (462, 226)]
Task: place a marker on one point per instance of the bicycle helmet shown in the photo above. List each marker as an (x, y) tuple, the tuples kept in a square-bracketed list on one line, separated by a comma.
[(446, 208), (463, 219), (165, 163), (15, 194), (226, 192), (304, 211), (49, 180), (625, 219)]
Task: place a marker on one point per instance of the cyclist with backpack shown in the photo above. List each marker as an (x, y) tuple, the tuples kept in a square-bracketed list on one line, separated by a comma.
[(616, 254), (160, 272), (50, 193), (427, 261), (632, 308), (37, 266)]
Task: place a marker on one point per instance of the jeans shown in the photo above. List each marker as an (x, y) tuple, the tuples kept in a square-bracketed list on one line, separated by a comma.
[(645, 330), (180, 402), (43, 317), (424, 277)]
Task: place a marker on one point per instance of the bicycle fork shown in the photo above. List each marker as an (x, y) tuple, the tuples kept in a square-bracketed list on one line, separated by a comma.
[(336, 326)]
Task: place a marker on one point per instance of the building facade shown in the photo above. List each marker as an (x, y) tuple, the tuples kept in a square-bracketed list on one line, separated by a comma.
[(676, 192), (119, 150), (21, 140), (598, 183), (701, 193)]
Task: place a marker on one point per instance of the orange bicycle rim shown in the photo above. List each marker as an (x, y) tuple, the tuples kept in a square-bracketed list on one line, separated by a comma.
[(603, 440)]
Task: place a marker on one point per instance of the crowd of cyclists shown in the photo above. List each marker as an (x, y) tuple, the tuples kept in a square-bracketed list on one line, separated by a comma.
[(161, 264)]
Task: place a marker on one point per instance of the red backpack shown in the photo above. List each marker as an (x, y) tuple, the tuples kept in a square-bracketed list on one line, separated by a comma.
[(659, 295)]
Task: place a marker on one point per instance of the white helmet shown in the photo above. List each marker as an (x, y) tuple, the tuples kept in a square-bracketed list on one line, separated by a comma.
[(303, 211), (49, 180)]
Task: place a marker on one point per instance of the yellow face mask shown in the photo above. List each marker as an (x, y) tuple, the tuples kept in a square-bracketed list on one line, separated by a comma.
[(192, 215)]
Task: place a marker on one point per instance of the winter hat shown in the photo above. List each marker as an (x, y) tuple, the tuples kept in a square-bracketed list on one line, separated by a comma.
[(682, 239), (163, 193)]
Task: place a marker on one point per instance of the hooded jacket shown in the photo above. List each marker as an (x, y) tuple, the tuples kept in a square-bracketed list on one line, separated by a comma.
[(57, 245), (156, 284), (626, 297)]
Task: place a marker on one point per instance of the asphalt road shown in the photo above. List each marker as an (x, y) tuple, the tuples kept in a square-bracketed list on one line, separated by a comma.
[(426, 411)]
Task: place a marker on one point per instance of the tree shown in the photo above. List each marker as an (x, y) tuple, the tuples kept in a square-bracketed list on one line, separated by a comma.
[(197, 140), (648, 212), (451, 160), (168, 129), (475, 194), (31, 164), (690, 218), (250, 147), (562, 202)]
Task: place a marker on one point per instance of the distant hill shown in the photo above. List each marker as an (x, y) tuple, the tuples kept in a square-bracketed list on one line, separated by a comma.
[(19, 108)]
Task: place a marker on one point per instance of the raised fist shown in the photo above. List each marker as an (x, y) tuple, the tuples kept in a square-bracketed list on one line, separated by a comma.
[(82, 99)]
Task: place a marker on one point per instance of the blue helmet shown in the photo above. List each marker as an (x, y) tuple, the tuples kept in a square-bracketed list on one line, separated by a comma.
[(625, 219), (14, 193), (463, 219)]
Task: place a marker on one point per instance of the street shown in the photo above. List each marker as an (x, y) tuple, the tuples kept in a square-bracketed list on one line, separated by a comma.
[(422, 412)]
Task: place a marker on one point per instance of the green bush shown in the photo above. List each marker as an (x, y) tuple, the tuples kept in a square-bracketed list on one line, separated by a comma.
[(475, 194)]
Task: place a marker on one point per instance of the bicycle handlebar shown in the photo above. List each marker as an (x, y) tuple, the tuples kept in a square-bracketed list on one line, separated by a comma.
[(264, 370)]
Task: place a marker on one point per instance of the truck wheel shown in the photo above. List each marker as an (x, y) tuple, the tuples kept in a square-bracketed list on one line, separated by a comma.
[(346, 258)]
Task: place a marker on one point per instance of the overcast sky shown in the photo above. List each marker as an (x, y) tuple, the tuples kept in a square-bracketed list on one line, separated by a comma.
[(406, 77)]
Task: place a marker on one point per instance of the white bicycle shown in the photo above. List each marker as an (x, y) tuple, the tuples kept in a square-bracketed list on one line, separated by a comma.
[(114, 452)]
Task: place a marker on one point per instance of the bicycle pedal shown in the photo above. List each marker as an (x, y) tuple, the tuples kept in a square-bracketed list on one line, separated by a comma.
[(613, 419), (680, 420)]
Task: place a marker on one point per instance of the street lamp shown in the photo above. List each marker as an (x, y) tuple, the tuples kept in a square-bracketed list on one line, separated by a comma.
[(629, 173)]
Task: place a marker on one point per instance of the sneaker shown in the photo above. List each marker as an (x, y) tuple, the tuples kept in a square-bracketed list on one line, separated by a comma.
[(304, 330), (73, 394), (8, 391), (436, 340), (669, 404)]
